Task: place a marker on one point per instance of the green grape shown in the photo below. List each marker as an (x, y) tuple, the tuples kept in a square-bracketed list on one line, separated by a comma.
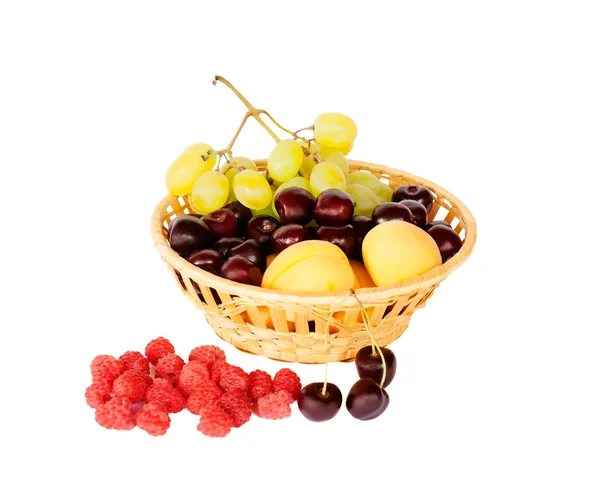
[(333, 156), (326, 175), (335, 130), (210, 192), (386, 193), (186, 169), (364, 199), (285, 160), (294, 182), (308, 163), (268, 210), (367, 179), (252, 189)]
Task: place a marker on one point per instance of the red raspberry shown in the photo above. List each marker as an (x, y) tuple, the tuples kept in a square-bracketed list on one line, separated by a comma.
[(169, 367), (105, 368), (98, 394), (214, 422), (210, 355), (204, 395), (163, 393), (274, 406), (236, 406), (192, 375), (234, 379), (132, 385), (261, 384), (116, 414), (135, 361), (287, 380), (216, 374), (153, 418), (158, 348)]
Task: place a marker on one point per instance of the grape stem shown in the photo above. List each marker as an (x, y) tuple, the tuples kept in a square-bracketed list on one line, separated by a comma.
[(237, 134), (253, 111), (324, 390), (374, 343)]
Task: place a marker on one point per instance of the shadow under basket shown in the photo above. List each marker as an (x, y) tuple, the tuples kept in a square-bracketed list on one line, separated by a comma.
[(292, 327)]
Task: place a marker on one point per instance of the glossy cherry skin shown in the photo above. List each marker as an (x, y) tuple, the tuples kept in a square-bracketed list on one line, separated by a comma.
[(288, 235), (448, 241), (390, 211), (343, 237), (384, 405), (437, 222), (294, 205), (333, 208), (362, 225), (188, 233), (209, 260), (222, 222), (242, 270), (371, 366), (418, 210), (414, 192), (243, 215), (225, 244), (366, 400), (261, 228), (251, 250), (318, 407)]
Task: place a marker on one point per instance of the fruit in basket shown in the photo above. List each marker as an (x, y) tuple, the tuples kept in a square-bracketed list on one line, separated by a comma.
[(318, 405), (294, 205), (270, 259), (414, 192), (370, 181), (210, 192), (333, 208), (335, 130), (225, 244), (185, 170), (390, 211), (362, 225), (241, 270), (307, 266), (242, 214), (395, 251), (436, 222), (222, 222), (365, 200), (418, 211), (366, 400), (343, 237), (447, 240), (369, 365), (188, 233), (285, 160), (252, 189), (326, 175), (261, 228), (287, 235), (209, 260), (362, 279), (251, 250)]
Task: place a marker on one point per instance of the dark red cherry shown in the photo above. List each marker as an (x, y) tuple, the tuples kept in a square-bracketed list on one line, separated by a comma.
[(343, 237), (369, 365), (386, 402), (318, 406), (437, 222), (362, 225), (223, 245), (288, 235), (448, 241), (414, 192), (242, 270), (418, 210), (294, 205), (390, 211), (243, 215), (333, 208), (366, 400), (261, 228), (222, 222), (188, 233), (251, 250), (209, 260)]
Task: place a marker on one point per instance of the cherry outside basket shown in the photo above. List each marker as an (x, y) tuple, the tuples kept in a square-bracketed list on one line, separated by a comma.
[(292, 326)]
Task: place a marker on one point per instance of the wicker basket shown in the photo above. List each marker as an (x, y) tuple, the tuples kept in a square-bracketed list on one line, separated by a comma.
[(290, 326)]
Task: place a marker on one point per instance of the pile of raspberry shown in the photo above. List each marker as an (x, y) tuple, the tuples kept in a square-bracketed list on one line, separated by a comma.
[(144, 390)]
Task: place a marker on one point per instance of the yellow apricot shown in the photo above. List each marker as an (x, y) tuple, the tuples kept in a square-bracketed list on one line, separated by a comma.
[(396, 251), (270, 259), (361, 274)]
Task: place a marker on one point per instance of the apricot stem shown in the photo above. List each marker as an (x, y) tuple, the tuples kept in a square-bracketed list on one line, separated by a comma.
[(374, 343), (253, 111)]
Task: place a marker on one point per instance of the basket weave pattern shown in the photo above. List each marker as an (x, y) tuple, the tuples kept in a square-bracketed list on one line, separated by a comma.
[(292, 327)]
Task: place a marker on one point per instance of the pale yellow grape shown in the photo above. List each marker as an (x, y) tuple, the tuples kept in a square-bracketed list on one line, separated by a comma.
[(335, 130), (252, 189), (332, 155), (365, 199), (300, 182), (186, 169), (210, 192), (243, 163), (326, 175), (386, 193), (285, 160), (308, 163), (367, 179)]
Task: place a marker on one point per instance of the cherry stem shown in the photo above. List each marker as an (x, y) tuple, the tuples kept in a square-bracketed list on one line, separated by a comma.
[(374, 343), (253, 111), (324, 390)]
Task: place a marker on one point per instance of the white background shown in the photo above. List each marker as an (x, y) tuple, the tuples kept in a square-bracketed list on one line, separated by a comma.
[(497, 101)]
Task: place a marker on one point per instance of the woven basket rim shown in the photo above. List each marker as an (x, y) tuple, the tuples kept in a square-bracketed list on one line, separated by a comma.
[(431, 277)]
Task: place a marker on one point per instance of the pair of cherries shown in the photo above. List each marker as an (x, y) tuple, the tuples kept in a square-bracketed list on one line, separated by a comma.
[(366, 400)]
